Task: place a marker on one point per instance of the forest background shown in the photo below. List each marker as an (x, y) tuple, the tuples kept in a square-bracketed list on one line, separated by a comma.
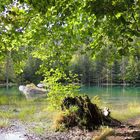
[(96, 40)]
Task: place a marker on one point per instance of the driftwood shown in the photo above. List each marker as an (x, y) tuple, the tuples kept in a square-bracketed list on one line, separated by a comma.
[(87, 115)]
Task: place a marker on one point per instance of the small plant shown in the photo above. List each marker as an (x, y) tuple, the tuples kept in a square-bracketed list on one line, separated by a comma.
[(58, 90), (4, 122), (58, 119)]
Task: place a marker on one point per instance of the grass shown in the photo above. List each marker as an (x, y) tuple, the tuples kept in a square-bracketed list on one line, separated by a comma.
[(130, 111), (4, 100), (26, 113), (103, 133), (122, 114), (7, 114), (31, 112), (4, 123), (38, 130)]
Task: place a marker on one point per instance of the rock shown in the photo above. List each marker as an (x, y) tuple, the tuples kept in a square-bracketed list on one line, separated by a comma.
[(21, 87), (135, 133), (40, 85), (131, 126), (31, 91), (129, 138), (16, 110), (122, 126)]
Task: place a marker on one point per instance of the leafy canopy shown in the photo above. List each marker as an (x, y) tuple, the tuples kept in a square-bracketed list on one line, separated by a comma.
[(53, 30)]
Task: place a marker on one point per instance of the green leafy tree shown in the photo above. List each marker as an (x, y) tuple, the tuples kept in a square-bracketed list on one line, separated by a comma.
[(53, 31)]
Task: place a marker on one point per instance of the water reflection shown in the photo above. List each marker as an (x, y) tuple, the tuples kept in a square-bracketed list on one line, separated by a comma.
[(116, 95)]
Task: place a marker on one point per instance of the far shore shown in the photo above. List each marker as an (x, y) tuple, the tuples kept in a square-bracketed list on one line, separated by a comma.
[(112, 84), (92, 84), (9, 84)]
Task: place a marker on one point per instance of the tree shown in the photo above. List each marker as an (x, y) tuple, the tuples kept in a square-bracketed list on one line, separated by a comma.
[(53, 31), (12, 41)]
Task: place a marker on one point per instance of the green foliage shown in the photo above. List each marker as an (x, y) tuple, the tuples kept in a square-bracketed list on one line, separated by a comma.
[(52, 31), (57, 90), (30, 71), (12, 26)]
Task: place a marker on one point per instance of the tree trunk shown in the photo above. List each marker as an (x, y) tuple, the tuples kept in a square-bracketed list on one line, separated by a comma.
[(7, 69)]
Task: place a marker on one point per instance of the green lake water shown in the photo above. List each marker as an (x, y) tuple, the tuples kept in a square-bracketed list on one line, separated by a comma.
[(115, 95), (11, 92)]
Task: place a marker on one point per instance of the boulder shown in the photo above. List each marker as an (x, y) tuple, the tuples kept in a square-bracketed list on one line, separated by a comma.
[(31, 91), (40, 85)]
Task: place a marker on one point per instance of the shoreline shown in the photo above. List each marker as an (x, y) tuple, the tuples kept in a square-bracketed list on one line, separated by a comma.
[(9, 84)]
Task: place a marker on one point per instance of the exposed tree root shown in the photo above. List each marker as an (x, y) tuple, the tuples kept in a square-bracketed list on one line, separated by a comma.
[(79, 111)]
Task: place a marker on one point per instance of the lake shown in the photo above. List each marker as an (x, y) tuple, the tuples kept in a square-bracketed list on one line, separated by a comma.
[(115, 95), (11, 92)]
